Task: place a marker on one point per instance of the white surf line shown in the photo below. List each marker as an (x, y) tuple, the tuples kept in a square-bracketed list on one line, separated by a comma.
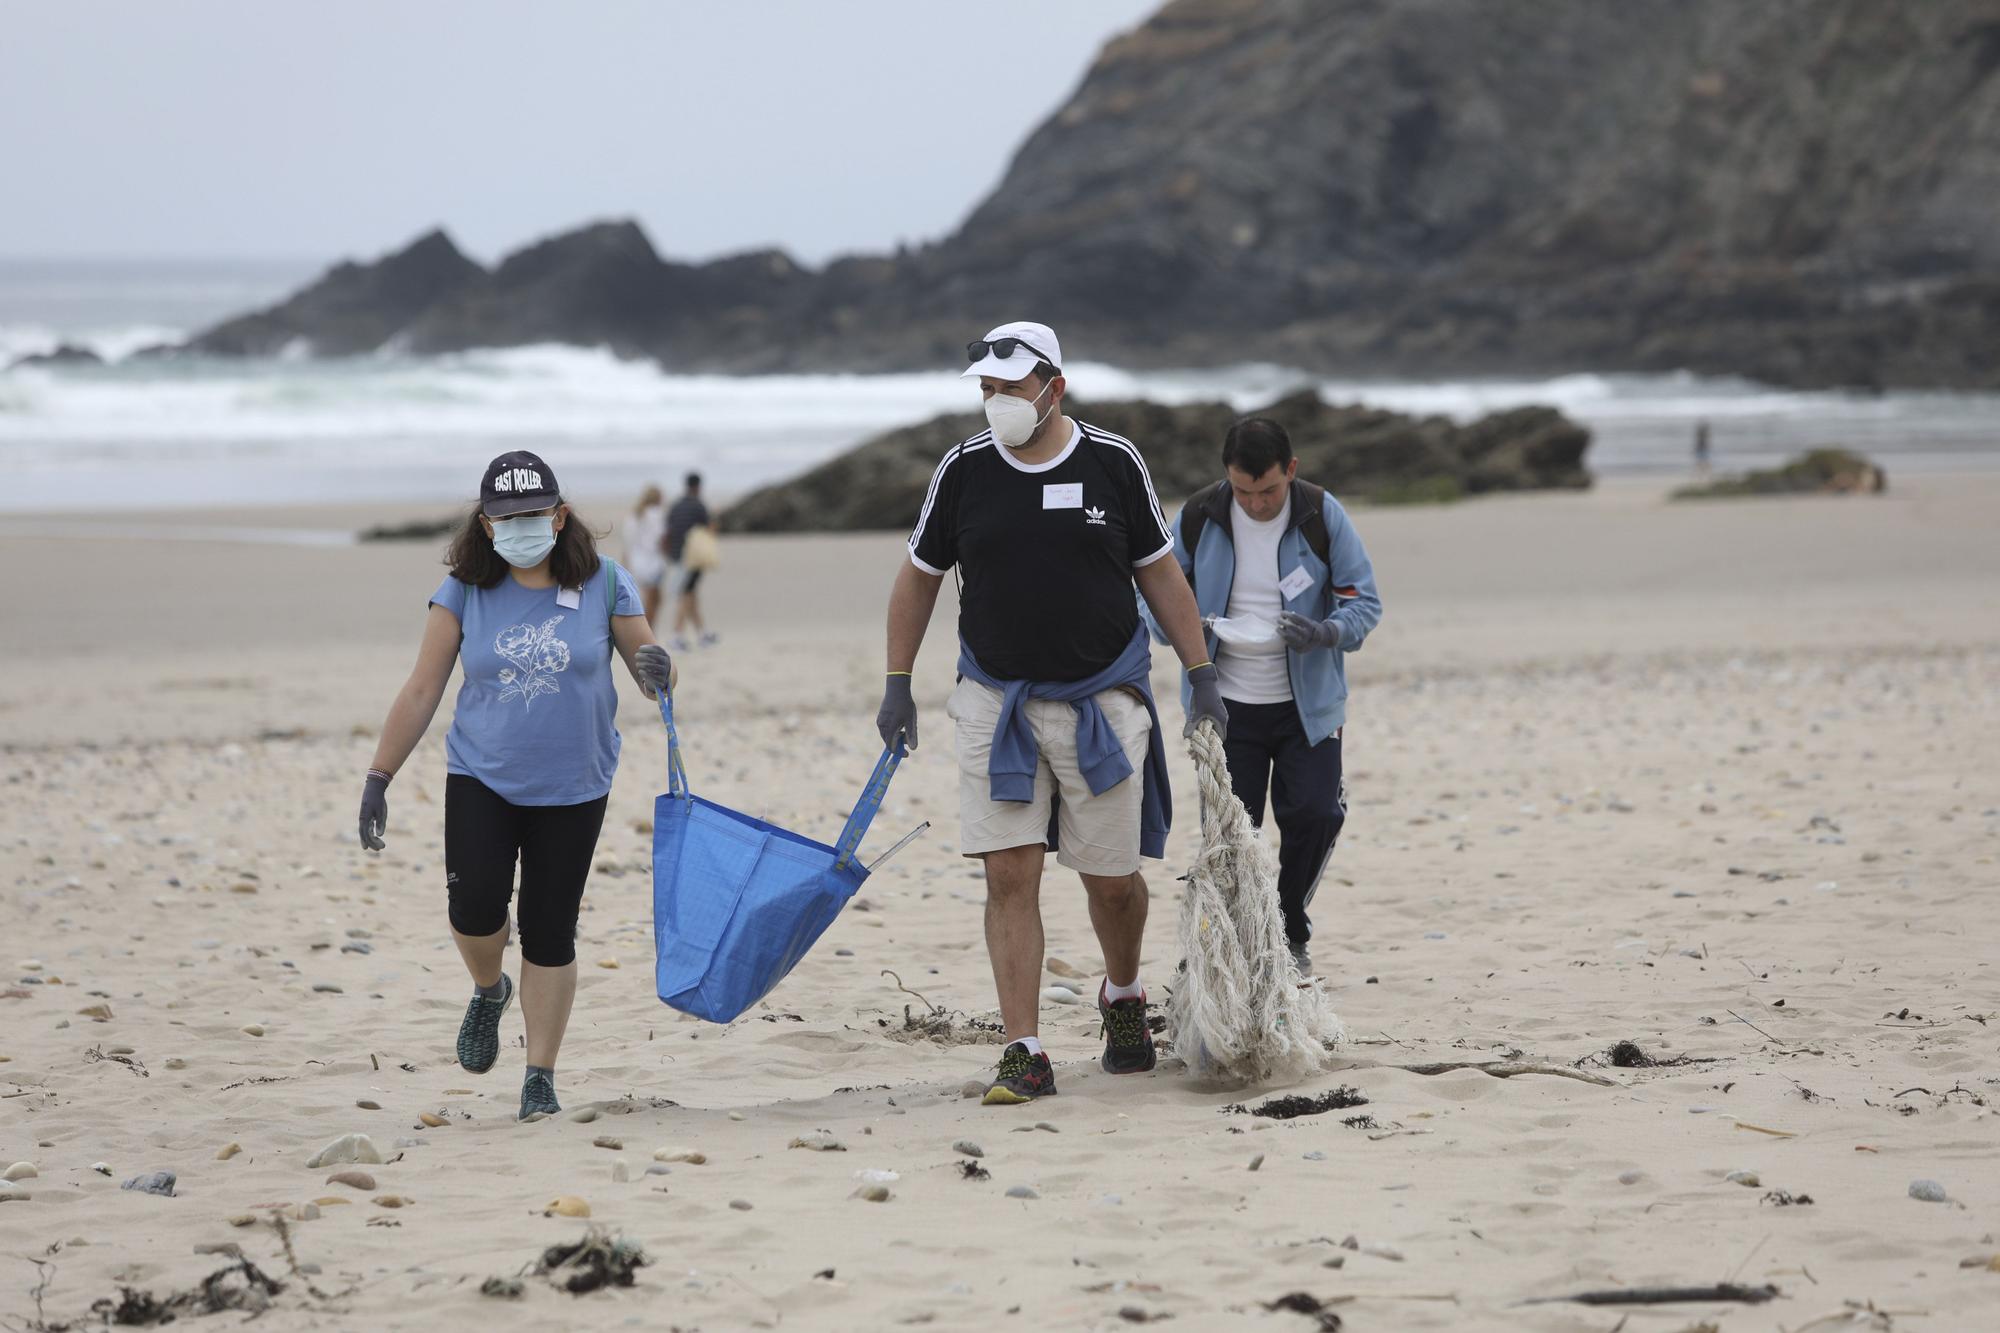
[(96, 531)]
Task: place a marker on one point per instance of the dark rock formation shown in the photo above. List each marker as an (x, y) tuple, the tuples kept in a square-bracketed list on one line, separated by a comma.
[(602, 284), (65, 354), (1795, 190), (1359, 452), (1816, 472), (354, 307)]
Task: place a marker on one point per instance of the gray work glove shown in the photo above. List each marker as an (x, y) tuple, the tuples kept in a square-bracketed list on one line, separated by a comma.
[(1207, 702), (1303, 635), (374, 811), (898, 714), (654, 669)]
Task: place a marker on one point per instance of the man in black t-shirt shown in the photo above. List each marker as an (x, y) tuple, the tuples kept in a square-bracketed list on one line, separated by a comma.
[(688, 513), (1050, 523)]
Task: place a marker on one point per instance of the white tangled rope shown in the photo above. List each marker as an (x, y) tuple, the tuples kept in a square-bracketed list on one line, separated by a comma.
[(1239, 1010)]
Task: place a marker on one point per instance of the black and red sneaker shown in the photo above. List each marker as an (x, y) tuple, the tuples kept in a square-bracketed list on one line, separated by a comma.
[(1020, 1078), (1128, 1039)]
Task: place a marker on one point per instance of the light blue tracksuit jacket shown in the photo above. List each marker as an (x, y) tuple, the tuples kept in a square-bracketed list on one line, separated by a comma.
[(1342, 591)]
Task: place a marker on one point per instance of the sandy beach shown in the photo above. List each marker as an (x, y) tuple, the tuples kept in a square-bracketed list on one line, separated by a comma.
[(1717, 779)]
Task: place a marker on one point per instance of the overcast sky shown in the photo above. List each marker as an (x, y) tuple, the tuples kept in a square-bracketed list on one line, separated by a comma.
[(306, 130)]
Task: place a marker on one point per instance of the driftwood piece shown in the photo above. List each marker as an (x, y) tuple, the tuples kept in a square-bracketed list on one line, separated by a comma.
[(1507, 1069), (1721, 1291)]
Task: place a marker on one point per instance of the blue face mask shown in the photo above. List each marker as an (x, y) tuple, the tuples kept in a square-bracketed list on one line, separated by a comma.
[(525, 542)]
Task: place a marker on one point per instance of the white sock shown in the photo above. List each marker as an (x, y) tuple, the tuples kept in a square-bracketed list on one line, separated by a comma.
[(1034, 1044), (1113, 992)]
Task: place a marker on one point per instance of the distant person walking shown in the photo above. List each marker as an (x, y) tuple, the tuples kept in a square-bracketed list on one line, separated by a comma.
[(535, 619), (645, 561), (685, 567), (1286, 591), (1052, 521), (1701, 451)]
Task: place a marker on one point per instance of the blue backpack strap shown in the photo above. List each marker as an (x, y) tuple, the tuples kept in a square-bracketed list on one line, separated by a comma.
[(610, 587), (866, 808)]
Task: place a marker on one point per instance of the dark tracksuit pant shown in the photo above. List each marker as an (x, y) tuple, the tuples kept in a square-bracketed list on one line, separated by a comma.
[(1268, 753)]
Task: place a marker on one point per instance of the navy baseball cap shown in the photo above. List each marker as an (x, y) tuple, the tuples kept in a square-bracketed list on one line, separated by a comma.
[(517, 483)]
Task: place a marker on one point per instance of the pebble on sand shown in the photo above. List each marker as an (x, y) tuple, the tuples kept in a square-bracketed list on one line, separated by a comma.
[(740, 1205), (691, 1156), (818, 1141), (567, 1206), (583, 1115), (20, 1171), (1928, 1191), (967, 1148), (252, 1029), (176, 1062), (153, 1182), (607, 1142), (1256, 1161), (972, 1087), (227, 1151), (96, 1013), (347, 1148), (101, 1168), (392, 1201), (359, 1180), (431, 1121), (872, 1193), (1061, 995), (1022, 1192), (611, 963), (10, 1192), (331, 1201), (1747, 1178)]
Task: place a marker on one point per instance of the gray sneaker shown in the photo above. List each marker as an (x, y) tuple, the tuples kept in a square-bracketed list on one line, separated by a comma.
[(538, 1097), (479, 1034)]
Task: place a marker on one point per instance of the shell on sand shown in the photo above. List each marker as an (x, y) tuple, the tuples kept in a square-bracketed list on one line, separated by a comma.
[(568, 1206), (347, 1148)]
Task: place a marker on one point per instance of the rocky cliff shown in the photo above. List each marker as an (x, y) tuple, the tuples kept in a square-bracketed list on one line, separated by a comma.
[(1798, 190), (1358, 452)]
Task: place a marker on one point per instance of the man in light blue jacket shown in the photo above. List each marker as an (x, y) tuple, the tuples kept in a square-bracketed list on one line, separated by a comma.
[(1285, 591)]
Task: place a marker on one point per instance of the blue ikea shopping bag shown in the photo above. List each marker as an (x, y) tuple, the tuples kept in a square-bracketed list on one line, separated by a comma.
[(736, 901)]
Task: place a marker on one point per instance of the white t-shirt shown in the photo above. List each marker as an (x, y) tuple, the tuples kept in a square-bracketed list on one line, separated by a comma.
[(1255, 673), (643, 532)]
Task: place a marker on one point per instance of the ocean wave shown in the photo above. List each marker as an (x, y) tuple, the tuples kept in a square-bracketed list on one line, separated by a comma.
[(190, 430)]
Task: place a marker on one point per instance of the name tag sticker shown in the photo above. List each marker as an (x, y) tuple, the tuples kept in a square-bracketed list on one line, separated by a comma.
[(571, 598), (1063, 497), (1295, 583)]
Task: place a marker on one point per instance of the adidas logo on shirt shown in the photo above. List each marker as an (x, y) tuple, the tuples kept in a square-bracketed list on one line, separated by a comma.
[(1094, 516)]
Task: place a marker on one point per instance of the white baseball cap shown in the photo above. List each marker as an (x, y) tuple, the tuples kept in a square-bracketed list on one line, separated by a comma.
[(1027, 344)]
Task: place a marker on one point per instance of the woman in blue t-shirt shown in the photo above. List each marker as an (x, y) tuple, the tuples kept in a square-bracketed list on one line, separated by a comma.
[(533, 615)]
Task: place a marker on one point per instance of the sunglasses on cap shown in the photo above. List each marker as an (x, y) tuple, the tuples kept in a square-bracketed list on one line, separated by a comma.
[(1002, 348)]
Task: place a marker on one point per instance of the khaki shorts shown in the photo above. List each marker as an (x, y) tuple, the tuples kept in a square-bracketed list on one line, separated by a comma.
[(1095, 835)]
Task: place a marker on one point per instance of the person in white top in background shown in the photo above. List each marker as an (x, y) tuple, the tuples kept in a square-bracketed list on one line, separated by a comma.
[(645, 526)]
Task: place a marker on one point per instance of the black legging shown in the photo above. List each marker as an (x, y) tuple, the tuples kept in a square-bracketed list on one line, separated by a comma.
[(485, 834)]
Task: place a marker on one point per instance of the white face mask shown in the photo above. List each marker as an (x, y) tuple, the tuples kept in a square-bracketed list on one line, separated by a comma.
[(1243, 629), (525, 542), (1013, 420)]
